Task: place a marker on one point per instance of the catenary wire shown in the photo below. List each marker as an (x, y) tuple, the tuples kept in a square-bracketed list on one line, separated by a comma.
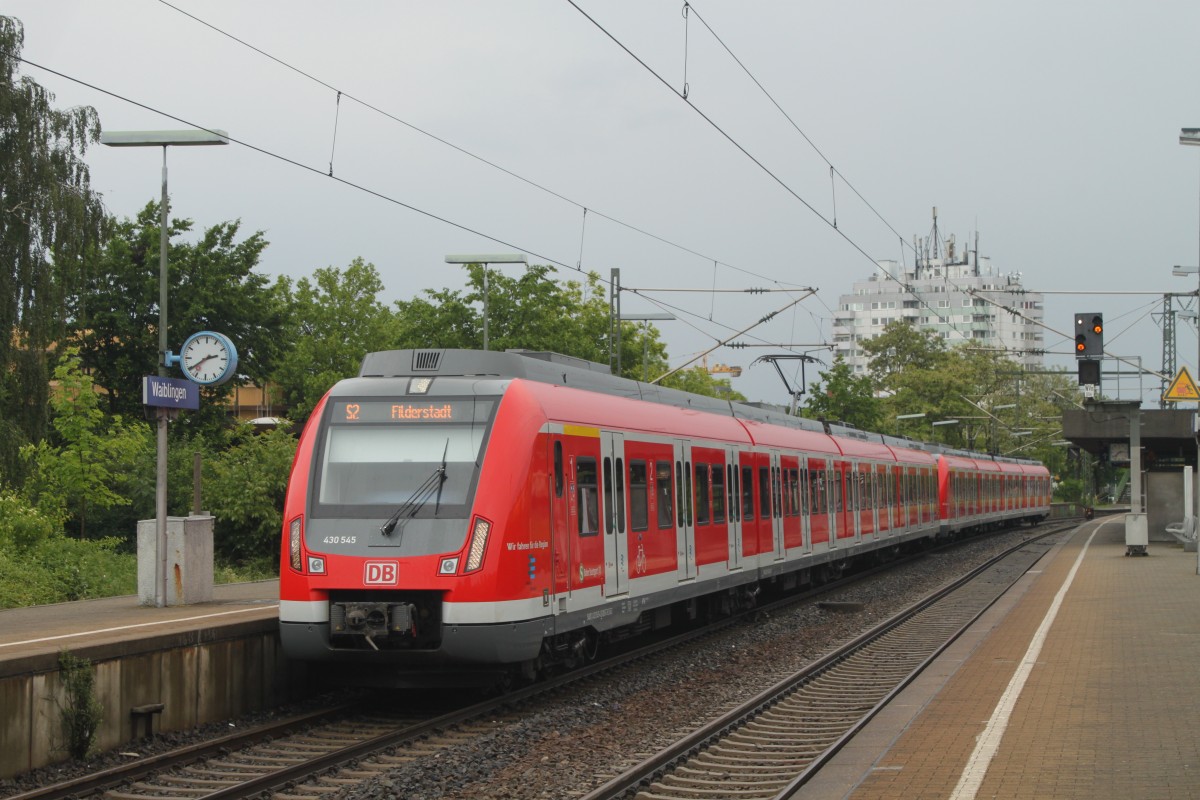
[(388, 115), (362, 188)]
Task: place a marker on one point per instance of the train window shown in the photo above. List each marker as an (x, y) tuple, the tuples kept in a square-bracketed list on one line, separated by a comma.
[(803, 488), (777, 485), (718, 494), (687, 493), (702, 494), (662, 488), (747, 493), (608, 495), (679, 493), (585, 487), (558, 469), (620, 495), (638, 507), (764, 493), (796, 493), (731, 476), (836, 478)]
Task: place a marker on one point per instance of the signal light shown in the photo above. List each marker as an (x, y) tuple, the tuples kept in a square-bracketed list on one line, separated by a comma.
[(1089, 335)]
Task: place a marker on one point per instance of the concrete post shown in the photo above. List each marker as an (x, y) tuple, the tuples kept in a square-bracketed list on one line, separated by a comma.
[(189, 560)]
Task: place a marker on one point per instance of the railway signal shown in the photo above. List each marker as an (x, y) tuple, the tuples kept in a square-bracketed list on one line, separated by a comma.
[(1089, 335)]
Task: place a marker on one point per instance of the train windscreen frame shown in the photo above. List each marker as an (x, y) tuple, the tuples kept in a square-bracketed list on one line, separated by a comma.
[(377, 454)]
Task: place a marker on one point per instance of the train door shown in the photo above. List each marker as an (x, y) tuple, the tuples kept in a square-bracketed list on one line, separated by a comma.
[(685, 524), (774, 502), (818, 503), (843, 502), (746, 465), (560, 531), (733, 507), (616, 540)]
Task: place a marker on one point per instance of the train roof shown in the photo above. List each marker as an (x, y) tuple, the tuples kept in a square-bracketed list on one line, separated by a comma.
[(578, 373)]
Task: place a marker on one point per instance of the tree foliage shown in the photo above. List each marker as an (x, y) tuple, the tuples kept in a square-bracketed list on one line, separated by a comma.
[(334, 320), (49, 220), (213, 285), (91, 462), (840, 395)]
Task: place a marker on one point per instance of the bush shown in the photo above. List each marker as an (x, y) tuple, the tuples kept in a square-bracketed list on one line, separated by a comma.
[(244, 487), (81, 711), (39, 564)]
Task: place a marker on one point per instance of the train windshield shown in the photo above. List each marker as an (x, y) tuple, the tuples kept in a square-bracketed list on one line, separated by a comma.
[(376, 455)]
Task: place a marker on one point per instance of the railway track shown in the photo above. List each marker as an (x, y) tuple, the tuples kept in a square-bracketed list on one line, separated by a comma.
[(771, 745), (322, 752)]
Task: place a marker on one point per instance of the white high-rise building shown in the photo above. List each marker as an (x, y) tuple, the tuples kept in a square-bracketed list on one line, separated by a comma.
[(944, 291)]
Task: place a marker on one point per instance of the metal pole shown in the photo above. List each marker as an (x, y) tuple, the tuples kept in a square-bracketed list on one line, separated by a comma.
[(160, 493), (485, 306)]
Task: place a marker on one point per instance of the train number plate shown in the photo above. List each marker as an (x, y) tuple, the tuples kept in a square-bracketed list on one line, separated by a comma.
[(382, 573)]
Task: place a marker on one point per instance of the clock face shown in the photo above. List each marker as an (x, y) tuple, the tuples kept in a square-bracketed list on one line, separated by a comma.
[(208, 358)]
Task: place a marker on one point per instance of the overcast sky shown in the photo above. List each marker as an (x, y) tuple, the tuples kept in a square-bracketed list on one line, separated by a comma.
[(1050, 128)]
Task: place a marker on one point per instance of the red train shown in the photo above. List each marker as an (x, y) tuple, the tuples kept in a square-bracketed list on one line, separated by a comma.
[(452, 514)]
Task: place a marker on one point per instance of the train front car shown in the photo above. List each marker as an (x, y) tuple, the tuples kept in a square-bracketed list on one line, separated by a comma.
[(391, 527)]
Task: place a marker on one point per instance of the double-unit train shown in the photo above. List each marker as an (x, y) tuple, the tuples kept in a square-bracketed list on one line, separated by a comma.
[(452, 514)]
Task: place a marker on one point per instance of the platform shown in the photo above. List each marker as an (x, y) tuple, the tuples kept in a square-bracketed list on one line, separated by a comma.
[(155, 669), (1083, 681), (96, 628)]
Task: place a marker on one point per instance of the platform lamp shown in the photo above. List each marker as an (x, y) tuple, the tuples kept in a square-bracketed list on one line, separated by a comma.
[(941, 422), (485, 259), (907, 416), (186, 138)]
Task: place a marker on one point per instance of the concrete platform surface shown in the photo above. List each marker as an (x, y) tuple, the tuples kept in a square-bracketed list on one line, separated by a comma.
[(1082, 682), (30, 636)]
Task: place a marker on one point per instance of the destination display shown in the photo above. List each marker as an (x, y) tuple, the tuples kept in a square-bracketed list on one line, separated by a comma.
[(374, 411)]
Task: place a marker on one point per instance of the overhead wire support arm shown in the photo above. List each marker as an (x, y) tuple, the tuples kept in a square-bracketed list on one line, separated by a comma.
[(751, 290), (803, 358), (723, 342)]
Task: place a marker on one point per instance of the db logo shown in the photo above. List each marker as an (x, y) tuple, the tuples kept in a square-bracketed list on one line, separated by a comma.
[(382, 573)]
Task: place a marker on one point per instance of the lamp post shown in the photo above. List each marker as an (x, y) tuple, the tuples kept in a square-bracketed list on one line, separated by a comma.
[(1179, 271), (485, 259), (645, 318), (907, 416), (163, 139), (992, 444)]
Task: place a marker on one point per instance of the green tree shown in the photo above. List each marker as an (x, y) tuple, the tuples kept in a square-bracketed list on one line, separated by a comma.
[(900, 348), (49, 220), (91, 462), (334, 320), (244, 485), (532, 311), (213, 285), (840, 395)]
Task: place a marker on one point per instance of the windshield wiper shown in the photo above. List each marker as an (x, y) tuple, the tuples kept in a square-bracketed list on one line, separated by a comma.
[(438, 504), (419, 497)]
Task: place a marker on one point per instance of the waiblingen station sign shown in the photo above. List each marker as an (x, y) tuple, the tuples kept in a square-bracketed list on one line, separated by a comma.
[(170, 393)]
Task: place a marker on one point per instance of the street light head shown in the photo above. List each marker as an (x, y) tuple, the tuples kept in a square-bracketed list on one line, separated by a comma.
[(488, 258), (187, 138), (1189, 136), (1181, 271)]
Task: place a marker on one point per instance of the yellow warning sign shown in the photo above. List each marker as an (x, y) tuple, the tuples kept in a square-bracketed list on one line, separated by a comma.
[(1183, 387)]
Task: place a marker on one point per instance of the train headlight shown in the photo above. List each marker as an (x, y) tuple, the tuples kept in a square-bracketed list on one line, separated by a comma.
[(479, 537), (449, 566), (316, 565), (295, 534)]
